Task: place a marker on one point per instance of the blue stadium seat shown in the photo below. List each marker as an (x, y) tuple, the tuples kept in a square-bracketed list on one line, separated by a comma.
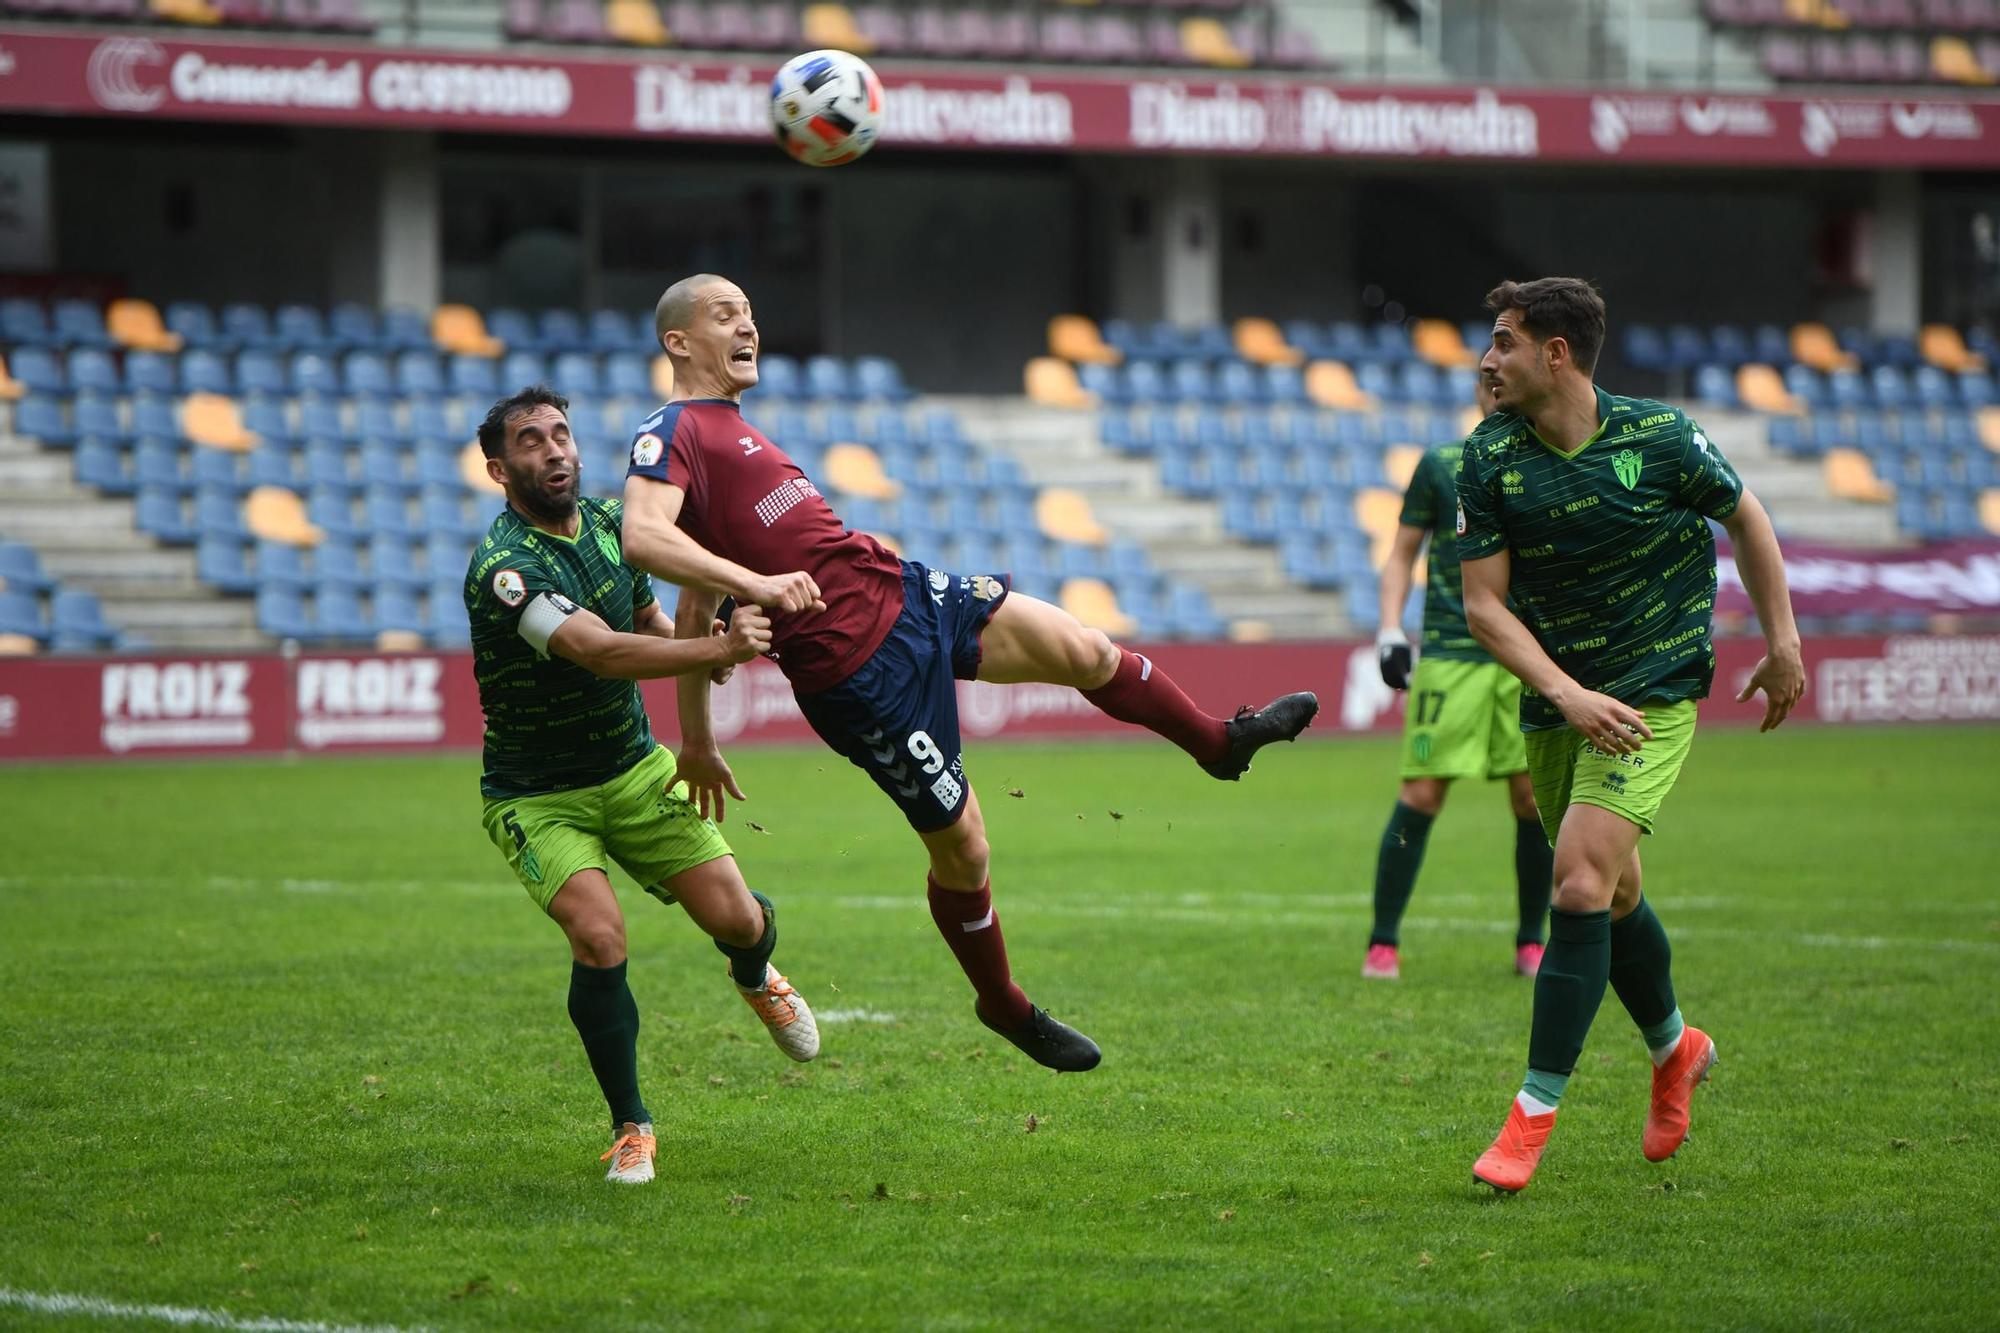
[(611, 331), (101, 465), (387, 511), (395, 561), (1716, 384), (1190, 380), (1771, 345), (23, 323), (1686, 347), (1192, 616), (248, 326), (93, 414), (21, 613), (1349, 342), (1105, 382), (93, 368), (445, 512), (1890, 388), (156, 464), (590, 430), (429, 420), (1729, 345), (629, 376), (518, 370), (1239, 383), (1976, 389), (331, 510), (315, 372), (42, 418), (827, 378), (576, 376), (280, 566), (405, 331), (195, 323), (353, 328), (1421, 382), (21, 569), (272, 466), (328, 463), (376, 423), (281, 611), (474, 375), (1846, 389), (417, 373), (80, 324), (558, 331), (366, 373), (439, 469), (301, 328), (449, 627), (158, 512), (337, 563), (219, 469), (1808, 386), (1125, 337), (515, 329), (1309, 338), (219, 510), (155, 416), (1146, 383), (396, 607), (778, 376), (206, 372), (877, 379), (1114, 428), (1375, 378), (262, 371), (38, 369), (219, 562), (1392, 342)]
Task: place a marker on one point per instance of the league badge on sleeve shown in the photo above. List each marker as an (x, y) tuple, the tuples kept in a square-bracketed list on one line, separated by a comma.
[(509, 588), (1461, 518), (646, 450)]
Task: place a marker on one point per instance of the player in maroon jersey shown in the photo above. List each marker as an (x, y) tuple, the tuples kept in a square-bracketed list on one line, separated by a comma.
[(872, 644)]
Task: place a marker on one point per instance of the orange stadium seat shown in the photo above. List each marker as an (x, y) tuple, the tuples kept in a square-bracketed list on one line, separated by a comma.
[(1399, 462), (1076, 338), (1250, 631), (1850, 476), (1051, 382), (855, 469), (663, 376), (18, 645), (399, 641), (136, 324), (1064, 515), (1989, 511), (1816, 13), (1439, 342), (1989, 428), (1945, 348), (1092, 602), (1331, 384), (459, 329), (1468, 420), (212, 420), (1815, 345), (472, 470), (1762, 389), (1261, 341), (636, 23), (1207, 42), (11, 389), (274, 514), (185, 11), (1378, 512), (828, 25), (1954, 61)]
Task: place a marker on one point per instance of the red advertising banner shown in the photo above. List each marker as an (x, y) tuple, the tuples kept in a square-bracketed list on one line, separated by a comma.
[(964, 106), (89, 707), (1944, 577)]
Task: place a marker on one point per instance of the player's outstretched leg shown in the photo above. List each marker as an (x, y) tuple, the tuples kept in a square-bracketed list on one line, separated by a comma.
[(606, 1016), (744, 927), (1642, 975), (971, 929)]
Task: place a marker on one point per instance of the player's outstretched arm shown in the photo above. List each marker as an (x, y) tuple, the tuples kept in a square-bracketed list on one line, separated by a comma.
[(653, 542), (1613, 727), (1781, 675), (586, 640), (700, 762), (1392, 645)]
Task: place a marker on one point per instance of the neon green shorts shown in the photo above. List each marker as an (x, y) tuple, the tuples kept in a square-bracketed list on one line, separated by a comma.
[(1463, 721), (641, 820), (1568, 770)]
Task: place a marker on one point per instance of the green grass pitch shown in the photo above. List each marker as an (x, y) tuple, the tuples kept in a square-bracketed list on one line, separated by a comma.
[(286, 1042)]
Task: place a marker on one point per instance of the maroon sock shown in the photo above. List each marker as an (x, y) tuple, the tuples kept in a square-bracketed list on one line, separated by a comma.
[(1141, 693), (972, 928)]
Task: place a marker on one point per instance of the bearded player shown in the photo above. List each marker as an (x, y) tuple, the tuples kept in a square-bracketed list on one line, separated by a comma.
[(1593, 511), (871, 644), (562, 631)]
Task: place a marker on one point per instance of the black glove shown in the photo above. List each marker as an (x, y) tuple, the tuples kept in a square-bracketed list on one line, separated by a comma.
[(1392, 654)]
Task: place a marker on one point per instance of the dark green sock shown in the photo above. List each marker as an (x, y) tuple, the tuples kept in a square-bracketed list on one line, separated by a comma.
[(746, 966), (607, 1018), (1396, 867), (1534, 869), (1569, 988), (1642, 967)]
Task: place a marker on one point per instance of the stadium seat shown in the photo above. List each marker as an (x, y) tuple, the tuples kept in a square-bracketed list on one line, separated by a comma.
[(404, 330), (212, 420), (300, 328), (1064, 515), (274, 515), (473, 375), (832, 26), (21, 616), (158, 512), (80, 324), (1051, 382), (1399, 464), (1331, 384), (1944, 348), (1261, 342), (11, 389), (156, 463), (1438, 341), (42, 418), (611, 331), (418, 374), (21, 569), (1077, 338), (137, 324), (1850, 476), (1814, 345), (100, 465), (856, 470), (94, 368), (1091, 601), (458, 330), (354, 328), (472, 471), (25, 323), (77, 623), (1207, 41), (246, 325), (1762, 390), (1714, 384)]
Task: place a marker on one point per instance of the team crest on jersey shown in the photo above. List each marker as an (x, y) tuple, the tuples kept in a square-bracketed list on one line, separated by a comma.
[(939, 582), (646, 450), (984, 587), (1627, 464), (509, 588), (608, 544)]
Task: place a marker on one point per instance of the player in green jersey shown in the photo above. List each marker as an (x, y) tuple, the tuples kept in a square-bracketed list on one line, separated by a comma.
[(1463, 719), (562, 629), (1593, 511)]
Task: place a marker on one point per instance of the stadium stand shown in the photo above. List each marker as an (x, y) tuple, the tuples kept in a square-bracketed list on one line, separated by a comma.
[(1869, 41)]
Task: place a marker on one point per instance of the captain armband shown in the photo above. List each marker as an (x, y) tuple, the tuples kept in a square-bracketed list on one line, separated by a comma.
[(541, 618)]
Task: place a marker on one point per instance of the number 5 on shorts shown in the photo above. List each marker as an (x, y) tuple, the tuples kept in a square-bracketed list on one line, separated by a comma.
[(531, 865)]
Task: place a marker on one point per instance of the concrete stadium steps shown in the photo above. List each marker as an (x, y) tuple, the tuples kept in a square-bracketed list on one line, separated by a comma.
[(89, 541), (1794, 489), (1363, 39), (1183, 538)]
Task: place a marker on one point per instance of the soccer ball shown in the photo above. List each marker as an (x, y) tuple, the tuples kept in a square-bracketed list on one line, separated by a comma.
[(826, 107)]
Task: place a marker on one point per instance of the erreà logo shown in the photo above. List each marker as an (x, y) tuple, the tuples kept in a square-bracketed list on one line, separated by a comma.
[(1510, 478), (1627, 465)]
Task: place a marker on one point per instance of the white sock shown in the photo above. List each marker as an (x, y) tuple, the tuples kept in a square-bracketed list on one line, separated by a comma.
[(1531, 1105), (1666, 1052)]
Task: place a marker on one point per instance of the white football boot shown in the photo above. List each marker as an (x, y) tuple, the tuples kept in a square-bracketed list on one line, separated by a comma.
[(785, 1015), (631, 1156)]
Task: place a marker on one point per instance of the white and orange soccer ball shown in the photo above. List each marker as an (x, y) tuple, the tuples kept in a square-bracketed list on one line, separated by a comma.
[(826, 107)]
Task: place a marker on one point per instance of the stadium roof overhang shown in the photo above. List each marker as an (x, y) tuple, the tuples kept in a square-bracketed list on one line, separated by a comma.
[(721, 100)]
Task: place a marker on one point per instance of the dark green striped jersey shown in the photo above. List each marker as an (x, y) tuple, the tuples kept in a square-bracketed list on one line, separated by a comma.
[(551, 725), (1613, 562), (1430, 503)]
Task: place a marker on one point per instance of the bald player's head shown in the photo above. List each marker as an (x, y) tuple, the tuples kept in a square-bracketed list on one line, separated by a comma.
[(706, 328), (675, 308)]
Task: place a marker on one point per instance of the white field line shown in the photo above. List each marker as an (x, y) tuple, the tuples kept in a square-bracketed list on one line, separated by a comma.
[(854, 1016), (92, 1307), (1247, 910)]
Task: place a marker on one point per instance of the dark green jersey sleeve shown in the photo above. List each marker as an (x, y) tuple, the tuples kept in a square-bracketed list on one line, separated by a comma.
[(1708, 483), (613, 518), (1430, 485), (502, 582), (1478, 519)]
